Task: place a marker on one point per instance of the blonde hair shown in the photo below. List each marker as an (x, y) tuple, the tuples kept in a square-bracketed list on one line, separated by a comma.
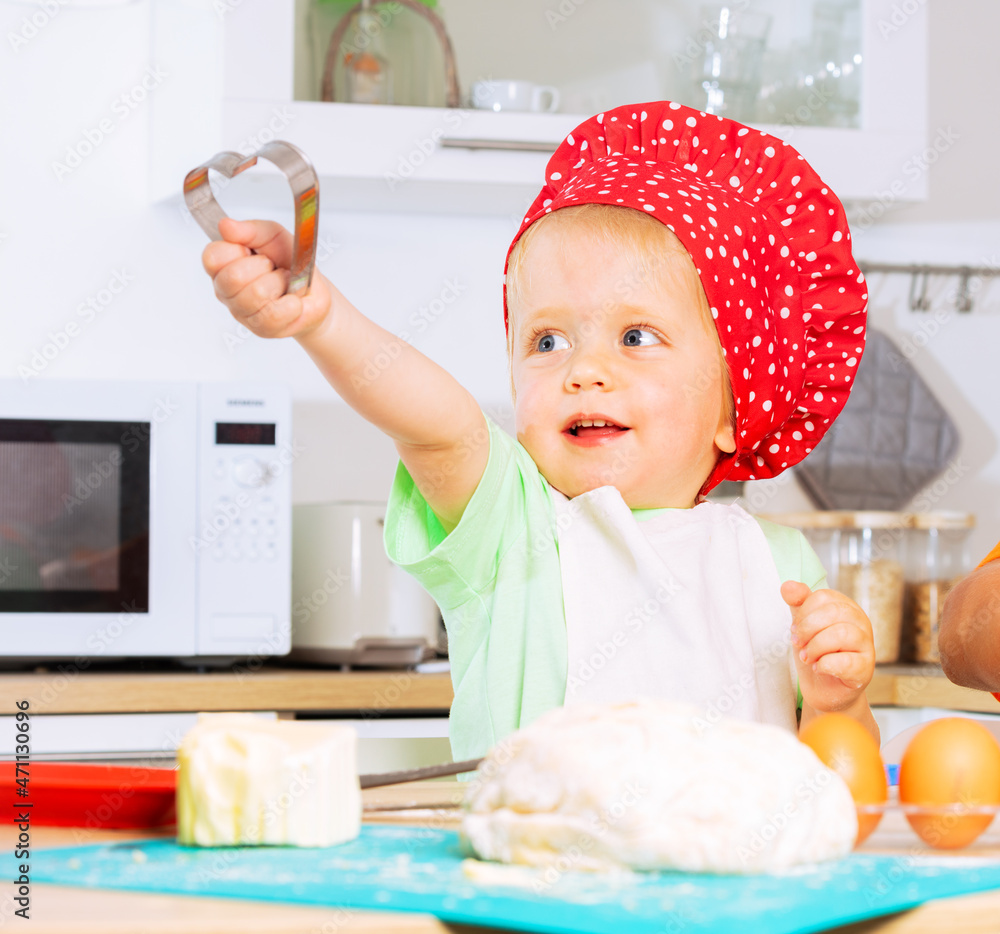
[(649, 247)]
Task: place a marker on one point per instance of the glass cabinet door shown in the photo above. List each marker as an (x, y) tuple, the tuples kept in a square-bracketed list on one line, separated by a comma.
[(764, 62)]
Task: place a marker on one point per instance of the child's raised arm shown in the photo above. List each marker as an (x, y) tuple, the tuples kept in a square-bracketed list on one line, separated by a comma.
[(437, 425)]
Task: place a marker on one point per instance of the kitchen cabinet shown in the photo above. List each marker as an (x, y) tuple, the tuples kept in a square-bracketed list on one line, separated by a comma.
[(238, 80)]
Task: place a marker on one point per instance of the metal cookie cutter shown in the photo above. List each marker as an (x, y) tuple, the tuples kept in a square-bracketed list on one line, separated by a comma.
[(305, 187)]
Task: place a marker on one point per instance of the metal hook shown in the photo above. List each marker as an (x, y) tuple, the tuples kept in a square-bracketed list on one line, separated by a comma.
[(963, 301), (921, 302)]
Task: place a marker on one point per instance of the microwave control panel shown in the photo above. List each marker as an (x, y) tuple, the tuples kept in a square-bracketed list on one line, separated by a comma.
[(243, 535)]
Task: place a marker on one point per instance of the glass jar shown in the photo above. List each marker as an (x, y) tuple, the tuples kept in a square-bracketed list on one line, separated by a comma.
[(937, 557), (863, 553), (872, 550)]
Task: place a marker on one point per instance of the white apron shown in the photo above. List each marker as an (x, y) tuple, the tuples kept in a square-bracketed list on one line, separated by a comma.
[(685, 605)]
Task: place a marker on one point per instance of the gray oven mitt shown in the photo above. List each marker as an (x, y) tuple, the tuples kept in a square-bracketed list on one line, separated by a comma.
[(892, 438)]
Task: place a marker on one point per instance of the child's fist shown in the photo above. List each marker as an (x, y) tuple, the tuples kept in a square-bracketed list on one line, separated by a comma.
[(252, 284), (833, 646)]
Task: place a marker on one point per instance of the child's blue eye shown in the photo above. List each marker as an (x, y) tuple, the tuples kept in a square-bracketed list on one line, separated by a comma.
[(549, 342), (638, 337)]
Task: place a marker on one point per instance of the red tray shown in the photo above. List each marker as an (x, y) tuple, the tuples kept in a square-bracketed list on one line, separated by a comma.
[(64, 794)]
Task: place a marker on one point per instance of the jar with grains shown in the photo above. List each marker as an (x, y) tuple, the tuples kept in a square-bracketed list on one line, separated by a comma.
[(937, 557), (863, 553)]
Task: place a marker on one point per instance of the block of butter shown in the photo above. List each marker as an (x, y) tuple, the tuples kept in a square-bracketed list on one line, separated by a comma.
[(244, 780)]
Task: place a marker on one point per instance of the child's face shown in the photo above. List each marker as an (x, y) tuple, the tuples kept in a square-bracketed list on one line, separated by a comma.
[(594, 339)]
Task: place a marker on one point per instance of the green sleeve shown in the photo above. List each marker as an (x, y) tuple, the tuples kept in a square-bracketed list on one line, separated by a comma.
[(793, 555), (452, 566), (795, 560)]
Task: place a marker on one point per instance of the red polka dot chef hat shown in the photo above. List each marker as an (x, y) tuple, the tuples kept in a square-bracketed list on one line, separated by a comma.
[(772, 249)]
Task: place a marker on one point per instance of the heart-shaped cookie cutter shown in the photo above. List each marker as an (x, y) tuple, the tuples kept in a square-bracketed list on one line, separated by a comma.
[(301, 176)]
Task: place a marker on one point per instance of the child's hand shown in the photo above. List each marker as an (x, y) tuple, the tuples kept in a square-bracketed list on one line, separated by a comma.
[(252, 286), (835, 636)]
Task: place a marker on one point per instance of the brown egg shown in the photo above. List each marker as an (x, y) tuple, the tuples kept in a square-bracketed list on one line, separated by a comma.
[(952, 761), (844, 745)]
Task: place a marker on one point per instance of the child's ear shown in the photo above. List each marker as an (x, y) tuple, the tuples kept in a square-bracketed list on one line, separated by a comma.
[(725, 436)]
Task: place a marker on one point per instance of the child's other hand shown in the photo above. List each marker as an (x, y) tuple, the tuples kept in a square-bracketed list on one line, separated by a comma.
[(252, 285), (833, 646)]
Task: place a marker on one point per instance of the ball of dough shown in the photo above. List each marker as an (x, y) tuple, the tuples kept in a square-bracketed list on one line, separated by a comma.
[(652, 785)]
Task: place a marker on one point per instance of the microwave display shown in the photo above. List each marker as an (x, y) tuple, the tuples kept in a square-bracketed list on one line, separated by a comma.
[(244, 433), (74, 516)]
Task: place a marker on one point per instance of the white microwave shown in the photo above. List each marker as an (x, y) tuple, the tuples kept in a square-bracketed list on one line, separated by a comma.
[(142, 519)]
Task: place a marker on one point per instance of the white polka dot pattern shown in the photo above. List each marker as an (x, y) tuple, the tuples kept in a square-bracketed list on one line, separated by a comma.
[(769, 240)]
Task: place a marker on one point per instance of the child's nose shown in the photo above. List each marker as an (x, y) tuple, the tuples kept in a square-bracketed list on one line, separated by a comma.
[(588, 370)]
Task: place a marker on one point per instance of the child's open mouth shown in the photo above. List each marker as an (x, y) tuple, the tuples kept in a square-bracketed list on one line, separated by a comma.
[(588, 431)]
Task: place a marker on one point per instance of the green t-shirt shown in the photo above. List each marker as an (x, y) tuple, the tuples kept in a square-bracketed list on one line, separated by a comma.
[(496, 578)]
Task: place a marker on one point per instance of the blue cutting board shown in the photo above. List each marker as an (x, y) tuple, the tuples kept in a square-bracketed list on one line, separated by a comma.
[(416, 869)]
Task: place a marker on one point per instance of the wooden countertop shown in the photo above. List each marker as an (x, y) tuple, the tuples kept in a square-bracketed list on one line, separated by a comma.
[(925, 686), (267, 688), (272, 687), (65, 910)]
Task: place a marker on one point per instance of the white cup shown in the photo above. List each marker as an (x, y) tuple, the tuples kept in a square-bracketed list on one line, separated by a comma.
[(515, 95)]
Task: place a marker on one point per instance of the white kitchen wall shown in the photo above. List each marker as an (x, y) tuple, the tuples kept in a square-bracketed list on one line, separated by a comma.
[(76, 227)]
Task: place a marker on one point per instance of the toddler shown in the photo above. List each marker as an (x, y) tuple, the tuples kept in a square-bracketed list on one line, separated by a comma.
[(682, 307)]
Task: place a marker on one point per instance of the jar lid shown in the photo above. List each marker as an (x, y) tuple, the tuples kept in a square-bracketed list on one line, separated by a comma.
[(944, 519), (842, 519)]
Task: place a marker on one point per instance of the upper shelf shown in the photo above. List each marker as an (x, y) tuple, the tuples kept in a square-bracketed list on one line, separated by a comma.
[(410, 158)]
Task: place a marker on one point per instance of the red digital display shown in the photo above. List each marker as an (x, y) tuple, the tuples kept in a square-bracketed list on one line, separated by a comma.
[(244, 433)]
